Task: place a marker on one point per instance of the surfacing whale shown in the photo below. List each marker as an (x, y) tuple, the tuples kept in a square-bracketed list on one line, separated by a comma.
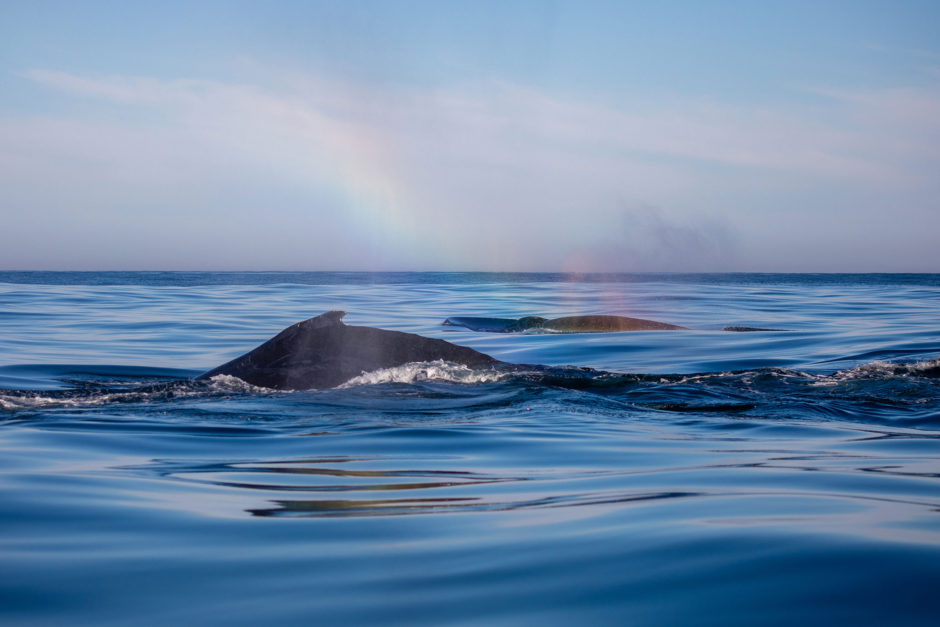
[(568, 324), (323, 352)]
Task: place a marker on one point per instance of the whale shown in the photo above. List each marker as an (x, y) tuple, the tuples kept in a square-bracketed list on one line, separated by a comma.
[(496, 325), (567, 324), (323, 352), (575, 324)]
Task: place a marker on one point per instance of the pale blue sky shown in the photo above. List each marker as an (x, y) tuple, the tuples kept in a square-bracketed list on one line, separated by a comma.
[(676, 136)]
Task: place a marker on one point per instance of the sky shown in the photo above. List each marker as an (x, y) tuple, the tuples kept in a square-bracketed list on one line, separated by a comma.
[(497, 136)]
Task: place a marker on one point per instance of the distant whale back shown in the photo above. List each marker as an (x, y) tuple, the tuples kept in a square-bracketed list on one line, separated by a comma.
[(568, 324), (323, 352), (606, 324), (496, 325)]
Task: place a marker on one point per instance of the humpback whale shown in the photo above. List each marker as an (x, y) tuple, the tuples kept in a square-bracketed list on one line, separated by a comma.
[(568, 324), (323, 352)]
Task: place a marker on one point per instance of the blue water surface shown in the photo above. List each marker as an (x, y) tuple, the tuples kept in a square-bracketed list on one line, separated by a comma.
[(696, 477)]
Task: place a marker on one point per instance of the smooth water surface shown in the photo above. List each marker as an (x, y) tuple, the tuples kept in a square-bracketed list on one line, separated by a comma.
[(695, 477)]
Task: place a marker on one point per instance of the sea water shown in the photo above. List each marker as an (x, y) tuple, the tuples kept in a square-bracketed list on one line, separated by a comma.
[(697, 477)]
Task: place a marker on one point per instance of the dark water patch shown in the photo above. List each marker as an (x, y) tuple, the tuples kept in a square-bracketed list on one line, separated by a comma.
[(747, 329), (703, 408), (427, 506)]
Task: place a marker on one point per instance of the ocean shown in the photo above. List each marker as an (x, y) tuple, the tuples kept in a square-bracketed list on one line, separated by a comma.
[(698, 477)]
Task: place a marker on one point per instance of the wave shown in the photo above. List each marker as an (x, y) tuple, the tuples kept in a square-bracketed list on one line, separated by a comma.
[(95, 395), (893, 392), (929, 369)]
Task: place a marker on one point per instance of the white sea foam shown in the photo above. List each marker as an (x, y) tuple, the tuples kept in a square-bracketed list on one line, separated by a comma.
[(426, 371), (880, 370), (868, 371), (26, 402), (219, 384), (228, 383), (37, 400)]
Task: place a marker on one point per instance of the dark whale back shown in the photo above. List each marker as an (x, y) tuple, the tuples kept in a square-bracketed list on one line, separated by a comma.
[(322, 352), (606, 324), (570, 324), (495, 325)]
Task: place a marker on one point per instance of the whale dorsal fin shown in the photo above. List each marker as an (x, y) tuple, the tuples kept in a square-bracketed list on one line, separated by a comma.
[(322, 352), (327, 319), (331, 317)]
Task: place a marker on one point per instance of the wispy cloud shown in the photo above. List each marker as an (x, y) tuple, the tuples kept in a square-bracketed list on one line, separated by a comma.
[(484, 174), (788, 138)]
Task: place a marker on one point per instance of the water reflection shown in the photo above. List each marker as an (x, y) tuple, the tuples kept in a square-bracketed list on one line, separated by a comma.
[(398, 507), (814, 488)]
